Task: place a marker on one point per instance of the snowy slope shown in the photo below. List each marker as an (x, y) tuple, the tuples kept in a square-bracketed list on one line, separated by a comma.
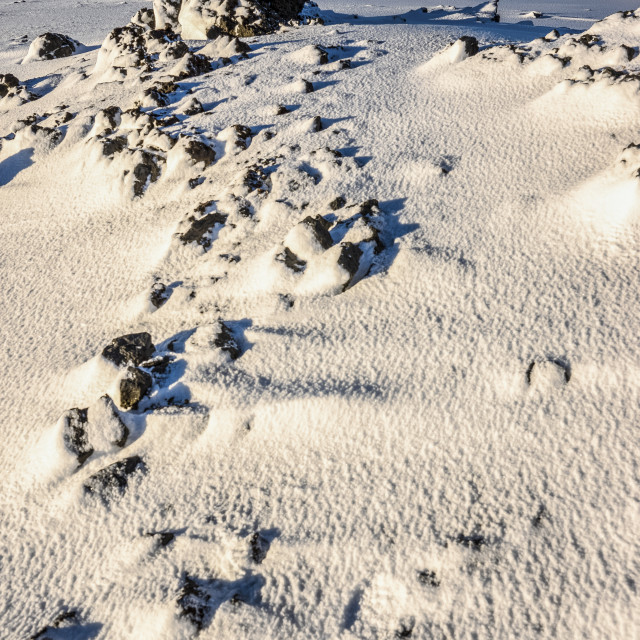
[(416, 418)]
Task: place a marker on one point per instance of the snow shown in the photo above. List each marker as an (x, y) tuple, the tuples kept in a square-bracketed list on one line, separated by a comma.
[(421, 422)]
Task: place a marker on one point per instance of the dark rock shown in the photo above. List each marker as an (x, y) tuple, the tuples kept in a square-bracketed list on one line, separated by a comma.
[(320, 228), (158, 365), (405, 630), (630, 51), (316, 125), (470, 45), (200, 229), (259, 546), (198, 151), (75, 435), (133, 387), (368, 208), (7, 82), (244, 135), (159, 93), (133, 348), (111, 146), (281, 110), (308, 87), (349, 260), (428, 578), (195, 182), (112, 481), (225, 340), (474, 541), (338, 203), (255, 179), (113, 115), (193, 602), (49, 46), (146, 172), (158, 294), (291, 260)]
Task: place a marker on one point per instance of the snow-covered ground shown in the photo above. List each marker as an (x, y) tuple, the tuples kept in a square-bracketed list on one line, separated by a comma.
[(395, 321)]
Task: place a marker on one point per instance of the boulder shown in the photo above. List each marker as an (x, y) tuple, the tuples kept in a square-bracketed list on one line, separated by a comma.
[(133, 348), (133, 387), (146, 171), (50, 46), (112, 481)]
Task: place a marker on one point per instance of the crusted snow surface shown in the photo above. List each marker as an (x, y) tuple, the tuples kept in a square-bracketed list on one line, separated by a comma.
[(375, 307)]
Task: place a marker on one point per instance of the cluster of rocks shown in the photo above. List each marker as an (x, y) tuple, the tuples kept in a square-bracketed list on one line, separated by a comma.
[(205, 19), (354, 235)]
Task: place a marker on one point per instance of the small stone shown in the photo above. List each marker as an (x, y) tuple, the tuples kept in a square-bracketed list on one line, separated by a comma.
[(349, 260), (337, 203), (200, 152), (75, 434), (158, 294), (319, 227), (226, 341), (133, 387)]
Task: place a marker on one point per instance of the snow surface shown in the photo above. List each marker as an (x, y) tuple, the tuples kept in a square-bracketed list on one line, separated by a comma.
[(438, 442)]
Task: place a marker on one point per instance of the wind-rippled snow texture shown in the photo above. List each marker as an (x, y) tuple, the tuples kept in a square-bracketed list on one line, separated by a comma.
[(448, 448)]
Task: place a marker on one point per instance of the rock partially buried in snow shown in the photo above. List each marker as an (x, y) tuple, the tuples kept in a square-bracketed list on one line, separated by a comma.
[(203, 230), (50, 46), (112, 481), (190, 152), (349, 260), (134, 385), (193, 603), (225, 47), (462, 49), (75, 434), (309, 237), (133, 348), (106, 429), (548, 374)]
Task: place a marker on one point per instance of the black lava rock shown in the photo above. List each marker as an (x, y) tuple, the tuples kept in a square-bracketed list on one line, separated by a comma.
[(291, 260), (200, 229), (225, 340), (319, 227), (198, 151), (349, 260), (133, 387), (75, 436), (112, 481), (193, 602), (132, 348)]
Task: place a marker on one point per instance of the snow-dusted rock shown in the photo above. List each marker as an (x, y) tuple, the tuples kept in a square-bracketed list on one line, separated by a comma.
[(133, 348), (75, 434), (112, 481), (49, 46), (134, 385), (225, 46), (106, 429)]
